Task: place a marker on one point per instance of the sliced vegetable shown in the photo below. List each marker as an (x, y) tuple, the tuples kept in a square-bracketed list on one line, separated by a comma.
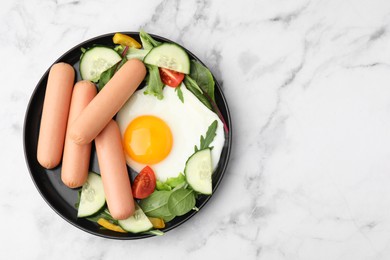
[(157, 222), (138, 222), (144, 183), (108, 74), (198, 171), (154, 84), (148, 42), (170, 77), (170, 56), (203, 78), (110, 226), (92, 197), (181, 202), (96, 60), (126, 40)]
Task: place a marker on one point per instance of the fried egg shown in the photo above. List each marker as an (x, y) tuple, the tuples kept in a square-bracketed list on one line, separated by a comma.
[(163, 133)]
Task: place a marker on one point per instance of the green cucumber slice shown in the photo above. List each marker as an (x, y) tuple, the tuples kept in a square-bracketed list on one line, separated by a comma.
[(170, 56), (92, 197), (139, 222), (96, 60), (198, 171)]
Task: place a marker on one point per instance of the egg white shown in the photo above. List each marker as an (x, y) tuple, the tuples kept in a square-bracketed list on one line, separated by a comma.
[(187, 121)]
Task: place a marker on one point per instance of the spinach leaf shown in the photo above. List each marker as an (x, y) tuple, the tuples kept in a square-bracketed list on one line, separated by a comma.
[(203, 77), (179, 93), (156, 205), (175, 181), (181, 202), (195, 89), (147, 41), (210, 134), (154, 83)]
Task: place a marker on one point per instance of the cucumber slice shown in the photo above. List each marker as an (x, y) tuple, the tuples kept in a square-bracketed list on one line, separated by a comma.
[(170, 56), (92, 197), (96, 60), (139, 222), (198, 171)]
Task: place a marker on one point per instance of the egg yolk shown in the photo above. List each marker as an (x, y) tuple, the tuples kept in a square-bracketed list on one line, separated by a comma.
[(148, 140)]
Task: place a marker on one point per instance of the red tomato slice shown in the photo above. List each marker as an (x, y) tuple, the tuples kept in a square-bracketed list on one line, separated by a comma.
[(170, 77), (144, 183)]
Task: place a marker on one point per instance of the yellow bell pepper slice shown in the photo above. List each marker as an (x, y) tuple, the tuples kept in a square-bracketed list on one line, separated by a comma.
[(126, 40), (107, 224), (157, 222)]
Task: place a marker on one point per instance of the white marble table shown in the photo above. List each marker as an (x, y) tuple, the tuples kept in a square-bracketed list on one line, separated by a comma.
[(308, 84)]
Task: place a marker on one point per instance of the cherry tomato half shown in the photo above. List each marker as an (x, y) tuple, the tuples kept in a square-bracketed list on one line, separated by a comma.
[(170, 77), (144, 183)]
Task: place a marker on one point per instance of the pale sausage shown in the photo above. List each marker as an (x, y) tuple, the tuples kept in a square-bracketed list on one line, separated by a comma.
[(75, 161), (113, 170), (108, 102), (55, 115)]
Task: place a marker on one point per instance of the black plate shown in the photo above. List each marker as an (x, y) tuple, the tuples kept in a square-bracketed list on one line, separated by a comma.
[(48, 182)]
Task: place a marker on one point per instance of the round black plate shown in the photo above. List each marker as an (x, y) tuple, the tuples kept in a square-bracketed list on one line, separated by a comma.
[(48, 182)]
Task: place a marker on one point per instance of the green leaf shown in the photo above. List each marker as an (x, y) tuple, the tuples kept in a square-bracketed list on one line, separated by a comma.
[(154, 83), (179, 93), (194, 88), (210, 134), (148, 42), (181, 202), (203, 77), (156, 205), (176, 181), (103, 214), (134, 53), (109, 73), (162, 186)]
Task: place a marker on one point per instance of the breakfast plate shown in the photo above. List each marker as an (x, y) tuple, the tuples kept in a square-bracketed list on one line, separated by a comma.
[(48, 182)]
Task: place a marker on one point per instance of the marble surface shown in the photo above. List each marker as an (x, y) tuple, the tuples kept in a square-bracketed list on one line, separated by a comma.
[(308, 85)]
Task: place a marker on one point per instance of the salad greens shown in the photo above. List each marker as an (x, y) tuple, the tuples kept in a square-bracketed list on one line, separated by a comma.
[(192, 86), (210, 134), (154, 84), (148, 42), (179, 93), (202, 76)]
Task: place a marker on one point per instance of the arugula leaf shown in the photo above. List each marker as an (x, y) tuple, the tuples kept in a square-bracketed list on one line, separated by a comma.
[(147, 41), (210, 134), (195, 89), (179, 93), (203, 77), (181, 202), (154, 83)]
